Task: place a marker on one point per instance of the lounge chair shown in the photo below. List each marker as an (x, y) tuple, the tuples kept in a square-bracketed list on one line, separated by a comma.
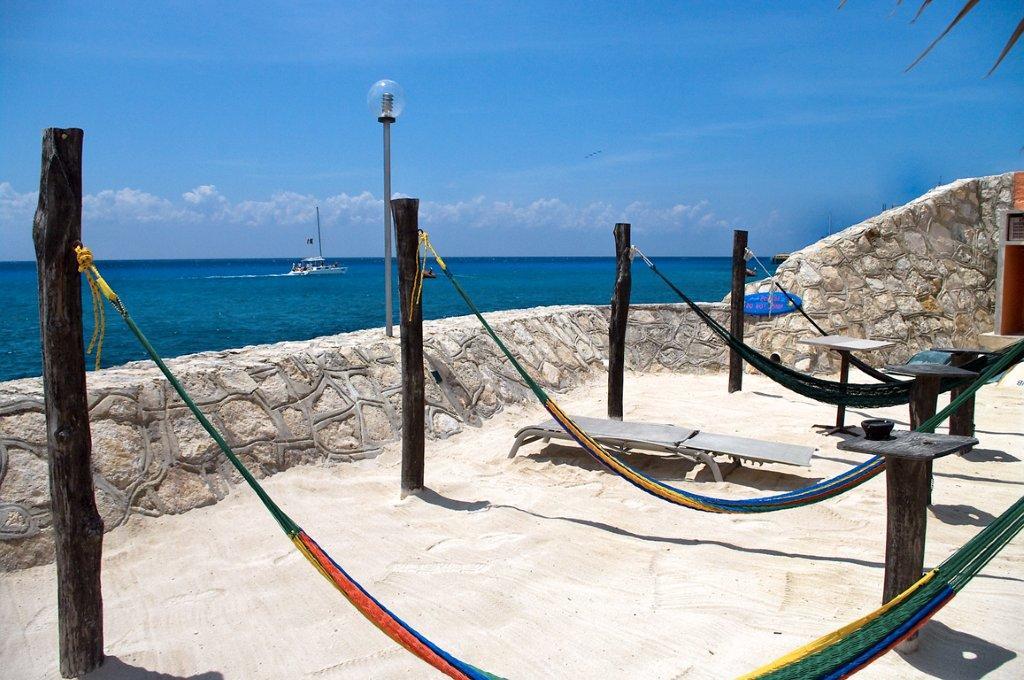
[(700, 447)]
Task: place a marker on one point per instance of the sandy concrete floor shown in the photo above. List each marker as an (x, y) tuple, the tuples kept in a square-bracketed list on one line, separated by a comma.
[(545, 566)]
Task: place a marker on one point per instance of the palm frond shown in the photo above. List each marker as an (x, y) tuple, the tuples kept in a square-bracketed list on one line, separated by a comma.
[(968, 6), (1009, 45), (920, 10)]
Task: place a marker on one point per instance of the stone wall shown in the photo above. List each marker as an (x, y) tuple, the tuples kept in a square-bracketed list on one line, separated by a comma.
[(332, 399), (921, 275)]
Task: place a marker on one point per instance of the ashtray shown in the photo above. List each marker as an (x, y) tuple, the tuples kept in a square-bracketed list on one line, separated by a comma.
[(877, 429)]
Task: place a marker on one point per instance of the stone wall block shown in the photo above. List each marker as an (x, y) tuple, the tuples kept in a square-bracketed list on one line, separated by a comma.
[(247, 421), (274, 389)]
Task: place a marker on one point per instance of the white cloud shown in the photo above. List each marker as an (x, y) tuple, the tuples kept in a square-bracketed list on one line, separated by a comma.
[(15, 206), (203, 194), (554, 213), (132, 205), (205, 205)]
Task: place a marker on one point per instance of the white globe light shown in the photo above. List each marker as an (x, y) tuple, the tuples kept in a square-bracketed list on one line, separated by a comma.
[(386, 99)]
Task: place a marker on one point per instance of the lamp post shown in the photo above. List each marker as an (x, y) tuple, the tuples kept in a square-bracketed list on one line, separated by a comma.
[(386, 101)]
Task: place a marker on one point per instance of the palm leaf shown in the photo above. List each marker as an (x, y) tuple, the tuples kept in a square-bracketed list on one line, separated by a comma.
[(968, 6), (1009, 45), (920, 9)]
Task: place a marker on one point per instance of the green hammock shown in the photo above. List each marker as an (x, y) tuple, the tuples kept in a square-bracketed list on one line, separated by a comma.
[(798, 305), (829, 391)]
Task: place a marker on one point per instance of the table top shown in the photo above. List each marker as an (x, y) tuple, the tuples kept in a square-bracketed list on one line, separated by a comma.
[(963, 350), (909, 445), (938, 370), (845, 343)]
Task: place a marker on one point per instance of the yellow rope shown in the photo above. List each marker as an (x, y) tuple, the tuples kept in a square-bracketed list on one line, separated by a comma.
[(98, 289), (425, 240), (416, 294)]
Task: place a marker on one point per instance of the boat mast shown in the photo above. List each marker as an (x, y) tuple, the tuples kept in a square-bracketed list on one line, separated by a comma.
[(319, 244)]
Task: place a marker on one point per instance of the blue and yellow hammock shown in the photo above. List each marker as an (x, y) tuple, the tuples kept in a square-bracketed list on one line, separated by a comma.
[(813, 493)]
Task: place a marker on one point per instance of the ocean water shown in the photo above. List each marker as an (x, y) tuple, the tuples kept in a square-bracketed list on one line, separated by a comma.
[(186, 306)]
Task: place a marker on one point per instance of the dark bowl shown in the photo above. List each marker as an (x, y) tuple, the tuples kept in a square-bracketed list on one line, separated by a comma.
[(877, 429)]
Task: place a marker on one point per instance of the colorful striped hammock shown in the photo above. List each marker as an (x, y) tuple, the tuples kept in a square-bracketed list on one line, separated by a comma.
[(836, 655), (379, 615)]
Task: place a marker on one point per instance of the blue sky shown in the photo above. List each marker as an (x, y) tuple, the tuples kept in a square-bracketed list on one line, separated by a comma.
[(213, 129)]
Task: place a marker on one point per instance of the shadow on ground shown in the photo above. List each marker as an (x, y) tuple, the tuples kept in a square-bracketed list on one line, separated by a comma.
[(665, 466), (977, 478), (990, 456), (865, 414), (962, 515), (947, 653), (674, 468), (765, 394), (115, 669), (1006, 434), (435, 498), (428, 495)]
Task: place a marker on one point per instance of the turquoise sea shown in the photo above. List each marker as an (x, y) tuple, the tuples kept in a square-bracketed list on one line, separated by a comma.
[(187, 306)]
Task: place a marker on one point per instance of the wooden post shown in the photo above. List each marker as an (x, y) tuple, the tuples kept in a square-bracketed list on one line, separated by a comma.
[(739, 280), (906, 490), (924, 399), (77, 526), (844, 379), (619, 320), (961, 421), (907, 456), (406, 212)]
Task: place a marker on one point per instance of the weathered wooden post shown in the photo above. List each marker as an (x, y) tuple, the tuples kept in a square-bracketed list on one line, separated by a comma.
[(907, 491), (619, 320), (739, 280), (77, 526), (908, 459), (924, 395), (961, 421), (406, 212)]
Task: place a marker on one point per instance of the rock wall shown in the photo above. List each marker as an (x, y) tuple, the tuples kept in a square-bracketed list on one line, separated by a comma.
[(332, 399), (921, 275)]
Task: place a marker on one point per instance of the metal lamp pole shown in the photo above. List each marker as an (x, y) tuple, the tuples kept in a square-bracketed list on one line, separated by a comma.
[(386, 120), (386, 100)]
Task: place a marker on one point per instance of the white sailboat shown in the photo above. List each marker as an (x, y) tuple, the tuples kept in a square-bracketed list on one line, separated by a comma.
[(316, 264)]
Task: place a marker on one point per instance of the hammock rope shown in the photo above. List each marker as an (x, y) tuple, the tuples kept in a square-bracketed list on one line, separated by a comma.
[(99, 311), (813, 493), (828, 391), (379, 615)]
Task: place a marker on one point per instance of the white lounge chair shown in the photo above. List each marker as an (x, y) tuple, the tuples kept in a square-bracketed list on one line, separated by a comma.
[(698, 446)]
